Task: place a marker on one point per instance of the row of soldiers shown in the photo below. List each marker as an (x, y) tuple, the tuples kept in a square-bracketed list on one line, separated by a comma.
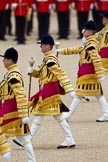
[(23, 12)]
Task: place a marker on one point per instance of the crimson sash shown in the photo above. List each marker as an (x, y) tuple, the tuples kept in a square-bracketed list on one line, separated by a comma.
[(85, 69), (9, 112), (104, 52), (48, 90)]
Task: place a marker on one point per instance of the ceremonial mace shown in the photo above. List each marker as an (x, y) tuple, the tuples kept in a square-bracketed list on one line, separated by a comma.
[(31, 63), (57, 44)]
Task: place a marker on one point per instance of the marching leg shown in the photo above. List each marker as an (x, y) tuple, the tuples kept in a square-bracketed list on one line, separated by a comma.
[(104, 106), (73, 107), (69, 141), (33, 129), (27, 147), (35, 125)]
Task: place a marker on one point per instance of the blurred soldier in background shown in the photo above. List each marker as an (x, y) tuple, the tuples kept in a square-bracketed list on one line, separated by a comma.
[(95, 13), (100, 6), (30, 22), (8, 19), (22, 12), (63, 17), (3, 8), (43, 16), (82, 8)]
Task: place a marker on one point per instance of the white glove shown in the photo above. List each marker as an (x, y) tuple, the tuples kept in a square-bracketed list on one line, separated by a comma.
[(53, 6), (13, 6), (7, 155), (30, 70), (25, 120), (73, 5), (7, 6), (34, 7), (58, 51), (71, 94), (84, 41), (91, 6), (50, 7), (101, 79)]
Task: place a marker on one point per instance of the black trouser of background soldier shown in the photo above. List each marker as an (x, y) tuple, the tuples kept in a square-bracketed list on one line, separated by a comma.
[(8, 22), (82, 18), (97, 18), (63, 24), (43, 24), (20, 29), (2, 25)]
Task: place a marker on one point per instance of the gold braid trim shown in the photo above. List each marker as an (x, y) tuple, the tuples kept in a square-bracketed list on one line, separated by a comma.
[(105, 65), (48, 106), (19, 130), (11, 115), (1, 120), (4, 146), (88, 78), (51, 110), (12, 124), (88, 86), (46, 101), (53, 100), (54, 58)]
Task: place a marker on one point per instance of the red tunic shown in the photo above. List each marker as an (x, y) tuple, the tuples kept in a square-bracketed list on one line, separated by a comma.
[(103, 5), (22, 6), (62, 5), (82, 5), (3, 4), (42, 6)]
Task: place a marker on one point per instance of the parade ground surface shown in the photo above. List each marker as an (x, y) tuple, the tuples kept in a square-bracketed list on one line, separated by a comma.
[(91, 138)]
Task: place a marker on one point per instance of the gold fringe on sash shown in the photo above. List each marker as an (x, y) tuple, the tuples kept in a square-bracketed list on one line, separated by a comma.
[(20, 130), (88, 86), (4, 146), (48, 111), (8, 126), (48, 106)]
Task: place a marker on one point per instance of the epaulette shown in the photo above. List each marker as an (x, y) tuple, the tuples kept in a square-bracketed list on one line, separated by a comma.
[(9, 76), (14, 74), (91, 43), (52, 59)]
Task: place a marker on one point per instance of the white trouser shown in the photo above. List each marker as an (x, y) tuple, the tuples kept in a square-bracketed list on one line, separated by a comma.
[(69, 140), (36, 124), (63, 123), (27, 147), (75, 103), (103, 104)]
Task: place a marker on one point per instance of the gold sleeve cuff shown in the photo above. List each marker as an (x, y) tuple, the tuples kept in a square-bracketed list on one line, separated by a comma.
[(4, 146), (35, 73)]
